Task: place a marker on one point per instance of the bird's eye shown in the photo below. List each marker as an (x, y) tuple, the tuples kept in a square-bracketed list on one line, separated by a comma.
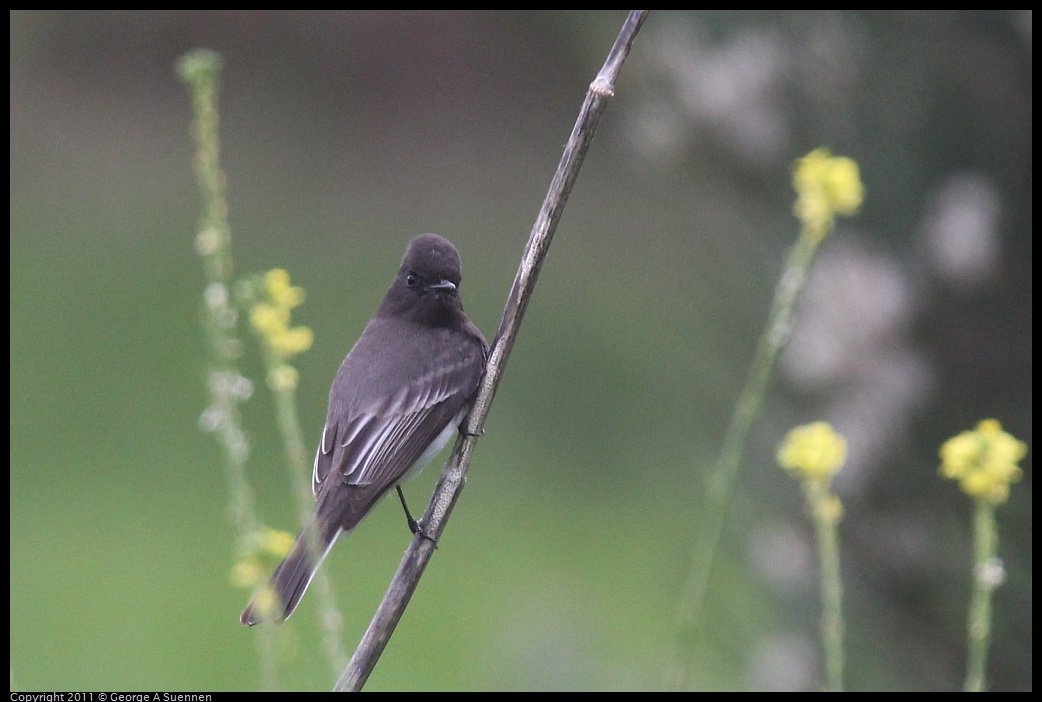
[(412, 280)]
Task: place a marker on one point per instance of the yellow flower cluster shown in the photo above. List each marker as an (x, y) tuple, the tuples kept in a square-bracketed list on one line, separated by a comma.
[(984, 461), (813, 451), (248, 572), (271, 317), (826, 185)]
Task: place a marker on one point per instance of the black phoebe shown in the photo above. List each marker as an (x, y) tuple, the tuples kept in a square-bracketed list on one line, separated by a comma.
[(396, 401)]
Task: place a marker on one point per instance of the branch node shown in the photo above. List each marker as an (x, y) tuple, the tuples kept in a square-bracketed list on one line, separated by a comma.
[(602, 86)]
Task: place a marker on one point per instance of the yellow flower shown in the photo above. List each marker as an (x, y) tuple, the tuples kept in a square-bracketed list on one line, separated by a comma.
[(280, 292), (290, 342), (246, 573), (267, 319), (271, 318), (814, 451), (266, 602), (283, 377), (276, 542), (825, 185), (984, 461), (276, 279), (829, 509)]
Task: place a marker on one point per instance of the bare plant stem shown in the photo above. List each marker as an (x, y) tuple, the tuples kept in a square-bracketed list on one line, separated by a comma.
[(450, 485)]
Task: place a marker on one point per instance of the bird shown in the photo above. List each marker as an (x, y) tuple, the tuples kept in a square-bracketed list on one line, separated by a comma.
[(397, 399)]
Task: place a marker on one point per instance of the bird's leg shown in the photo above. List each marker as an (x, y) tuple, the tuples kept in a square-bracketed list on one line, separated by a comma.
[(414, 526)]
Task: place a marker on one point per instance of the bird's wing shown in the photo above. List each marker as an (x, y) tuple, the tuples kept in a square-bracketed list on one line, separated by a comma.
[(374, 446)]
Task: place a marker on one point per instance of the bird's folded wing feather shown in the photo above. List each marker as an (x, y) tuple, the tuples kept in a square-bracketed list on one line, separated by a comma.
[(375, 445)]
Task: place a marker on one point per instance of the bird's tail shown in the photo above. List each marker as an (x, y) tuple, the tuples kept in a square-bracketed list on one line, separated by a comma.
[(291, 579)]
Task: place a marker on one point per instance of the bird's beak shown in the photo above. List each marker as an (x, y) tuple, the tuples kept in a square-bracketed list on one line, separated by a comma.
[(446, 285)]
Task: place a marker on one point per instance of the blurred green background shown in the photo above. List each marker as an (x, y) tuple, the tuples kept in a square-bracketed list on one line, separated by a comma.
[(344, 134)]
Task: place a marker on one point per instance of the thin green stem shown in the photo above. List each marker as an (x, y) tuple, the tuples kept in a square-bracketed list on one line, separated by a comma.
[(721, 480), (825, 519), (987, 575), (199, 71), (288, 419)]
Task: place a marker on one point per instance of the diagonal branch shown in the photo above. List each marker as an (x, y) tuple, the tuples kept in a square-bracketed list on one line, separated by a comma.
[(450, 485)]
